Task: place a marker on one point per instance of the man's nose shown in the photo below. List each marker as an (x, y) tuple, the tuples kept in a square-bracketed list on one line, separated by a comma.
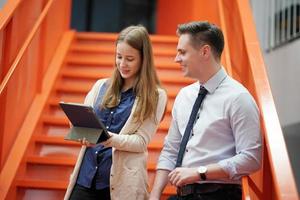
[(177, 58)]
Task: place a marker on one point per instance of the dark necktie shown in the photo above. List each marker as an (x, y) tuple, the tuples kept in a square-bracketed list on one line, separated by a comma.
[(190, 125)]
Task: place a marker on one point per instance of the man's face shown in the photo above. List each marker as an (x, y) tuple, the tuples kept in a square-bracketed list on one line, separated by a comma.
[(188, 57)]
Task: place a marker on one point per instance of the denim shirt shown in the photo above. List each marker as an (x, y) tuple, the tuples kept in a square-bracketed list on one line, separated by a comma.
[(95, 168)]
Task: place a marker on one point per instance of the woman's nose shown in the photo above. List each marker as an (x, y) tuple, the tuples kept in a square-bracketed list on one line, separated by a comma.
[(122, 62)]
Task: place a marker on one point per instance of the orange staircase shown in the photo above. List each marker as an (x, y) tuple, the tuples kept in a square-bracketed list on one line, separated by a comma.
[(44, 63), (50, 159)]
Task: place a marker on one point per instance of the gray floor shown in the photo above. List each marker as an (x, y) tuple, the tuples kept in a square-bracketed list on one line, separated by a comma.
[(292, 138)]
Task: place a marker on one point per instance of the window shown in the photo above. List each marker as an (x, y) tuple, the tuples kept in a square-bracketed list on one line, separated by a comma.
[(284, 22)]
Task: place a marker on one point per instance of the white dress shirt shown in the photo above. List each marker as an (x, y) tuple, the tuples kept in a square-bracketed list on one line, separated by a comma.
[(226, 132)]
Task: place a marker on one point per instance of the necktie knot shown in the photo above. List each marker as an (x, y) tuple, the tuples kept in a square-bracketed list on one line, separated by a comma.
[(202, 90)]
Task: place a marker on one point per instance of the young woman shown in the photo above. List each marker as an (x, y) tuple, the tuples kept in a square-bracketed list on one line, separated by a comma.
[(130, 104)]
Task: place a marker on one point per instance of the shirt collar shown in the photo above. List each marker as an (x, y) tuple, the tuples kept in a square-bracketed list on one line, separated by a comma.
[(212, 84)]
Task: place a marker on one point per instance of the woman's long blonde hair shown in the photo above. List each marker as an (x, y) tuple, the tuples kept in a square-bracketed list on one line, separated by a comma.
[(146, 83)]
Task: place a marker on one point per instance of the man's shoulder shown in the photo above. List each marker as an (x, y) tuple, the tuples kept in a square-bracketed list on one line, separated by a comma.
[(234, 86), (237, 92)]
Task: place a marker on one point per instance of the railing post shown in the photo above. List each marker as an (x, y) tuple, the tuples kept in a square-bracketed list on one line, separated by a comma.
[(41, 52), (2, 127)]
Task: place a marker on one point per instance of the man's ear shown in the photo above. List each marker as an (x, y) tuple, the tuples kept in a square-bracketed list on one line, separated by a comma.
[(205, 51)]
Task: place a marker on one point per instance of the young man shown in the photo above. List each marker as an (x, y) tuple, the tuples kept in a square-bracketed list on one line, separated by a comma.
[(214, 138)]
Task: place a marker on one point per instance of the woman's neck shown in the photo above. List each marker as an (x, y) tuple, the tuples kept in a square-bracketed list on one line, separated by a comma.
[(127, 85)]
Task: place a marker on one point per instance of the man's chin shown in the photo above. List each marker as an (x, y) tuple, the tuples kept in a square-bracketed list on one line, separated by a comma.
[(186, 74)]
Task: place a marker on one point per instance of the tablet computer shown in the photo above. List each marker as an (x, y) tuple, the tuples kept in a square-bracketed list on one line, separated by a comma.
[(85, 123)]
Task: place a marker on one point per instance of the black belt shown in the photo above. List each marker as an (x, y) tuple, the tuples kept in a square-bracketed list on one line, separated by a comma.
[(204, 188)]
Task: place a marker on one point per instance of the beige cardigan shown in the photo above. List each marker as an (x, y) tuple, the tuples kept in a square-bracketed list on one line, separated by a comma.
[(129, 179)]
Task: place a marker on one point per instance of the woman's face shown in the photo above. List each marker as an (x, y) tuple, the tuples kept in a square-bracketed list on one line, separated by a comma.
[(128, 60)]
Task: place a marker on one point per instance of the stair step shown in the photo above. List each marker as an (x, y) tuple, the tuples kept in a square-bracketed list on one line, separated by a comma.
[(51, 160), (55, 100), (42, 184), (54, 103), (59, 140), (68, 97), (62, 121), (62, 185), (109, 62), (112, 37), (65, 161), (98, 74), (96, 48), (81, 89)]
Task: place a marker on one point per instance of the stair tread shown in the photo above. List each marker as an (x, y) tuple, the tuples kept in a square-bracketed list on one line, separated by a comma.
[(54, 102), (97, 74), (63, 121), (59, 140), (84, 89), (66, 161), (113, 36), (110, 62), (42, 184), (96, 48), (62, 185)]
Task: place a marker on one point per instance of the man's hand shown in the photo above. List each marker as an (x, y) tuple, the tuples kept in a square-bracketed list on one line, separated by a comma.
[(181, 176)]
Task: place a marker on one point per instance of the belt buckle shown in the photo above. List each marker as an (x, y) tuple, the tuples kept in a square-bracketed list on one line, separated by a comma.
[(184, 190)]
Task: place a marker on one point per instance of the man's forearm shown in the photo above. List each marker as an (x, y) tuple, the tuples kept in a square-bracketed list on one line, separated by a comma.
[(161, 180)]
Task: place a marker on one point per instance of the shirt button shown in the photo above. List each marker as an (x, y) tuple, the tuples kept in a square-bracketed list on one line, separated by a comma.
[(192, 134), (96, 152), (187, 150), (96, 167), (107, 127), (112, 112), (112, 188)]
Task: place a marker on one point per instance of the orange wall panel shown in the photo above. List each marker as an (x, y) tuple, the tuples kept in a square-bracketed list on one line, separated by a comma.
[(25, 83), (170, 13)]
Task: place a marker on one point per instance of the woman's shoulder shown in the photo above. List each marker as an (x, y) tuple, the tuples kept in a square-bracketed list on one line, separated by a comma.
[(162, 93), (101, 81)]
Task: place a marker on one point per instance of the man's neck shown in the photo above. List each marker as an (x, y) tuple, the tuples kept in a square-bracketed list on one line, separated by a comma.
[(211, 71)]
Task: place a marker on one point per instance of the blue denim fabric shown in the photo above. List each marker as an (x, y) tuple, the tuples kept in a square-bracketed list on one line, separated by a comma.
[(95, 168)]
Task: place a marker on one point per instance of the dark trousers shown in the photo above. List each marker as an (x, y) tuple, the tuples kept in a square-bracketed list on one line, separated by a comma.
[(83, 193), (220, 194)]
